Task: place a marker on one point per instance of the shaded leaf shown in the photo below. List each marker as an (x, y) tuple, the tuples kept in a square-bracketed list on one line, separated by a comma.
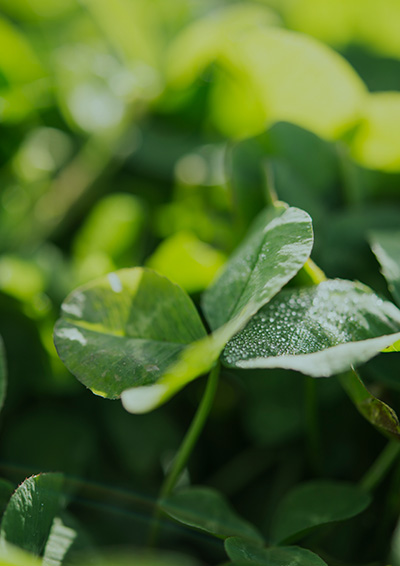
[(386, 247), (321, 330), (3, 373), (125, 330), (30, 512), (378, 413), (207, 509), (242, 552), (316, 503)]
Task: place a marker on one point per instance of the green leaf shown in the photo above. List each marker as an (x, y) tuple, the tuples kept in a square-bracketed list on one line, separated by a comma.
[(6, 490), (243, 552), (3, 373), (125, 330), (386, 247), (11, 555), (316, 503), (206, 509), (378, 413), (29, 514), (321, 330), (276, 247)]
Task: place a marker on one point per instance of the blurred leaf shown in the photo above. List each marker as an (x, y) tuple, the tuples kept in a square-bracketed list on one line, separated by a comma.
[(376, 141), (30, 512), (316, 503), (276, 247), (3, 373), (386, 247), (142, 558), (320, 330), (125, 330), (37, 10), (10, 555), (60, 541), (20, 278), (6, 490), (187, 260), (378, 413), (207, 509), (242, 552)]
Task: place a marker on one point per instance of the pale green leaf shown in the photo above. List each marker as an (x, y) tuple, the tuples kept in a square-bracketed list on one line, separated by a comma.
[(11, 555), (206, 509), (386, 247), (321, 330), (30, 512), (242, 552), (316, 503), (125, 329)]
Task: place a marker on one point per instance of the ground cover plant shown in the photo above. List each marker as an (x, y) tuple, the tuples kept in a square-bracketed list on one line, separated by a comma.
[(200, 221)]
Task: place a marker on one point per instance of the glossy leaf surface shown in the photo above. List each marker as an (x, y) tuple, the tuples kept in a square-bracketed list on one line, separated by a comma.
[(125, 330), (316, 503), (276, 247), (320, 331), (243, 552), (386, 247), (206, 509), (30, 512)]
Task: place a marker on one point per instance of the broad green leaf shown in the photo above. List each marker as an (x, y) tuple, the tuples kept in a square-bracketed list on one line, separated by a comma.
[(11, 555), (386, 247), (3, 373), (276, 247), (243, 552), (377, 139), (378, 413), (321, 93), (207, 509), (30, 512), (124, 330), (316, 503), (321, 330), (187, 260)]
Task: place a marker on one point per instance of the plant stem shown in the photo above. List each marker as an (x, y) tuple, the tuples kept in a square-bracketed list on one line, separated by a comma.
[(381, 466), (187, 445)]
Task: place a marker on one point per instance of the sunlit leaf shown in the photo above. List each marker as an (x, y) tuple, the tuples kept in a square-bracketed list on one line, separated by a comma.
[(316, 503), (242, 552), (206, 509), (320, 331), (30, 512), (386, 247), (11, 555), (378, 413), (377, 139), (125, 330)]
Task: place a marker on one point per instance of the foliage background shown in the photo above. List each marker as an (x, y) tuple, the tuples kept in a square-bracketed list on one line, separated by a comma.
[(122, 129)]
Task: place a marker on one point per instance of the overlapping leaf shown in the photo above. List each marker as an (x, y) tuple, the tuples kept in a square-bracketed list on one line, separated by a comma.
[(321, 330), (386, 247), (316, 503), (206, 509), (277, 246), (242, 552)]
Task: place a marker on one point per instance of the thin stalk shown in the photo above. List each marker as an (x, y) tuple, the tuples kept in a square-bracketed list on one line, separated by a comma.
[(187, 445), (381, 466)]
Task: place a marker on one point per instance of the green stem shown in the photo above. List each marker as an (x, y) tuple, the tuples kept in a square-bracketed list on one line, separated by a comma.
[(187, 446), (381, 466)]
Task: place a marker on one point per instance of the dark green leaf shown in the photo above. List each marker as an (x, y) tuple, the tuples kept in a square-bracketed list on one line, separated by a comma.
[(206, 509), (242, 552), (316, 503), (125, 330), (320, 331), (378, 413), (386, 247), (277, 246), (3, 373), (6, 490), (30, 512)]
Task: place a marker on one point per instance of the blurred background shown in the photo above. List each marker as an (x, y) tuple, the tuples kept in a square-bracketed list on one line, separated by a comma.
[(151, 132)]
